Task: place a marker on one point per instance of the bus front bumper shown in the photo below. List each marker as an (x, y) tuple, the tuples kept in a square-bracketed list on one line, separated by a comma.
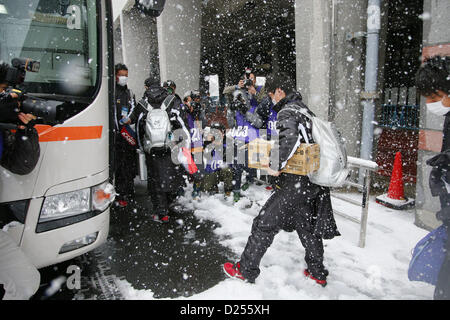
[(65, 243)]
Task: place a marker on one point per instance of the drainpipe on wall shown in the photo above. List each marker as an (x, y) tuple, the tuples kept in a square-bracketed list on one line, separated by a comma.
[(371, 74), (332, 82), (122, 36)]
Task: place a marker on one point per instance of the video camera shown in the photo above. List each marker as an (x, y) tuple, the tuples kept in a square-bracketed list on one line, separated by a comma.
[(240, 101), (19, 66), (195, 102), (15, 76), (247, 81)]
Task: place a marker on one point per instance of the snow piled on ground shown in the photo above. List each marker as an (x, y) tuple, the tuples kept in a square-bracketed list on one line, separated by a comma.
[(376, 272)]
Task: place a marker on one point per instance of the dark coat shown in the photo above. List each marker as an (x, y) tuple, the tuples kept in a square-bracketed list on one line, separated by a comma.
[(441, 173), (124, 99), (163, 174), (125, 157), (309, 203), (21, 150)]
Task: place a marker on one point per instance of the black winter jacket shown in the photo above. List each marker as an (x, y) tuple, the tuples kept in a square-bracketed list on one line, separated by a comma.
[(21, 150), (439, 180), (288, 124), (124, 99), (319, 212), (164, 174)]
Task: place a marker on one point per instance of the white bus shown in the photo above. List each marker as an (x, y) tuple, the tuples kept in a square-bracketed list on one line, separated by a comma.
[(61, 209)]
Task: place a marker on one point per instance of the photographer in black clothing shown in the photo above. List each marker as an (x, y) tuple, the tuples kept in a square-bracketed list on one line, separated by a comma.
[(125, 151), (296, 203), (19, 151)]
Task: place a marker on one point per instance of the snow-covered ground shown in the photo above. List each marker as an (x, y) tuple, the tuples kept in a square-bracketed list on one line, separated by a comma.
[(378, 271)]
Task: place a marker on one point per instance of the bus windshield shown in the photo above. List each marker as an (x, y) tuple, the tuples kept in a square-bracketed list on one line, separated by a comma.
[(63, 36)]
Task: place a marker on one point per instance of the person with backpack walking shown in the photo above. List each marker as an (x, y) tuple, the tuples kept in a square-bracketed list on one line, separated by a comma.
[(295, 204), (125, 145), (433, 83), (157, 118)]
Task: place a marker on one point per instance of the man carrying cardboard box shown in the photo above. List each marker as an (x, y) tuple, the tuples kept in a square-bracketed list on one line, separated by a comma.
[(296, 203)]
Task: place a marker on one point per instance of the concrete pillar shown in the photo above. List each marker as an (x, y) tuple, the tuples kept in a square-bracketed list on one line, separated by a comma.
[(312, 35), (179, 35), (330, 66), (139, 42), (347, 66), (436, 40)]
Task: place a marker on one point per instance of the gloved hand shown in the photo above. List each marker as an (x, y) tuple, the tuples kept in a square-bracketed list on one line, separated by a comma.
[(125, 120)]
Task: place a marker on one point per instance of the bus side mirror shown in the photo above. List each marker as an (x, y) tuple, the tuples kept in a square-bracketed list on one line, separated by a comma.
[(152, 8)]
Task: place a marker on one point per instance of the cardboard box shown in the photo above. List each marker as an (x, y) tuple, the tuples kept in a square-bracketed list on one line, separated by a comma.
[(306, 158), (259, 153)]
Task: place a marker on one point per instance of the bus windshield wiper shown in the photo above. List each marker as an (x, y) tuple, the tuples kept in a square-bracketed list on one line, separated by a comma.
[(60, 97)]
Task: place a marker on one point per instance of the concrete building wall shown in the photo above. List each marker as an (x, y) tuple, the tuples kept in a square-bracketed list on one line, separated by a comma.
[(117, 43), (179, 36), (346, 70), (436, 41), (312, 35), (139, 44), (330, 66)]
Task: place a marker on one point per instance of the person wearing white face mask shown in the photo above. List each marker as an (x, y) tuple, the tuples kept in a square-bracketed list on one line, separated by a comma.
[(125, 151), (433, 83)]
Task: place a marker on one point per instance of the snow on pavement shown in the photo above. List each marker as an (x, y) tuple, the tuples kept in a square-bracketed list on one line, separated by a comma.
[(376, 272)]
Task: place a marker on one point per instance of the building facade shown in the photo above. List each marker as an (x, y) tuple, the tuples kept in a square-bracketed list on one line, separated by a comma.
[(322, 45)]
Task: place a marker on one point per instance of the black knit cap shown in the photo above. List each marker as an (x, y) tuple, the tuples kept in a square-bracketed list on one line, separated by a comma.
[(151, 81)]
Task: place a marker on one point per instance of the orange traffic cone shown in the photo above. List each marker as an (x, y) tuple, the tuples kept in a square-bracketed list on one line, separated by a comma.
[(395, 197), (395, 190)]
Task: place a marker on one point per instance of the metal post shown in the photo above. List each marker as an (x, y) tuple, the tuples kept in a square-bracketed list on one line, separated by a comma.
[(365, 210), (371, 75)]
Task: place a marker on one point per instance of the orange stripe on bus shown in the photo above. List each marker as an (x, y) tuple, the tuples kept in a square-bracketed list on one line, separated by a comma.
[(48, 133)]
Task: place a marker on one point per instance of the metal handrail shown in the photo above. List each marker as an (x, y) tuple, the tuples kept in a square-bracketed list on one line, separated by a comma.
[(368, 166)]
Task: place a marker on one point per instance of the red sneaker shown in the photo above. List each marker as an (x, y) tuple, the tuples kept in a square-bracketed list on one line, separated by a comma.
[(323, 283), (232, 270), (159, 219), (123, 203)]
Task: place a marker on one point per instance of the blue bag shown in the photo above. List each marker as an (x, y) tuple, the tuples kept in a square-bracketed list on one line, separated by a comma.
[(428, 256)]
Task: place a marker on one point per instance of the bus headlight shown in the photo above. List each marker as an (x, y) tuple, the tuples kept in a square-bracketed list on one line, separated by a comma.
[(66, 204), (102, 196)]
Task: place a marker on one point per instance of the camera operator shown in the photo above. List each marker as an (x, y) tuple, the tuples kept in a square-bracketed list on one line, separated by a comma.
[(240, 116), (20, 150), (19, 153), (193, 116), (258, 92)]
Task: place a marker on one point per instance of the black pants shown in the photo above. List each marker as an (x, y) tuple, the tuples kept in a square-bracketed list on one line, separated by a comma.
[(161, 200), (125, 169), (164, 179), (287, 209)]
